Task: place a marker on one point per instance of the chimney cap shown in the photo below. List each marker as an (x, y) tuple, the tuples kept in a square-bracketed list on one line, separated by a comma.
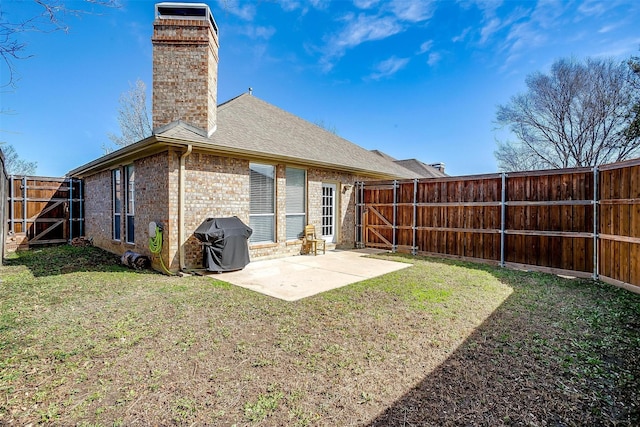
[(177, 10), (440, 166)]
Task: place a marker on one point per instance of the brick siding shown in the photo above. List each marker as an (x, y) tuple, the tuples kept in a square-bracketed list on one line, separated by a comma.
[(214, 187)]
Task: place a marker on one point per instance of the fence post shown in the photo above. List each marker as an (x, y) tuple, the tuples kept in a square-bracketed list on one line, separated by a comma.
[(596, 242), (24, 205), (12, 208), (395, 207), (363, 230), (359, 190), (414, 248), (81, 191), (358, 213), (356, 190), (70, 209), (503, 209)]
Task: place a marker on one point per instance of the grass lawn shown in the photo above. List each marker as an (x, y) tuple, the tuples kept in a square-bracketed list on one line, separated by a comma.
[(84, 341)]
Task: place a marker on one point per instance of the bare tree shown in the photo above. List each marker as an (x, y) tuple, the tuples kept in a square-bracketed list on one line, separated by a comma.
[(511, 157), (14, 164), (576, 115), (133, 116), (50, 18), (633, 131)]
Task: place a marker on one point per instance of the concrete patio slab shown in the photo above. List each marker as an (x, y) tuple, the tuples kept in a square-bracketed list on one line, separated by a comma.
[(296, 277)]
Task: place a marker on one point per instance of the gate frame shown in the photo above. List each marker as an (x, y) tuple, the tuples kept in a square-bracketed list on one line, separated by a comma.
[(71, 203)]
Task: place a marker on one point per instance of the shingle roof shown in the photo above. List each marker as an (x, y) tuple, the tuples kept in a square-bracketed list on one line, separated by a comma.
[(384, 155), (420, 169), (253, 126)]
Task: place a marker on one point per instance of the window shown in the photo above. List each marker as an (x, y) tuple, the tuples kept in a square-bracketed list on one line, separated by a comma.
[(262, 204), (117, 203), (130, 177), (296, 206)]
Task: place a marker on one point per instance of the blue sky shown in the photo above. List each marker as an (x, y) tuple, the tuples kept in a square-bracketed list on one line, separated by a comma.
[(415, 79)]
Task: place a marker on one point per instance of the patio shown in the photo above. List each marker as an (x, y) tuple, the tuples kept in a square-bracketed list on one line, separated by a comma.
[(296, 277)]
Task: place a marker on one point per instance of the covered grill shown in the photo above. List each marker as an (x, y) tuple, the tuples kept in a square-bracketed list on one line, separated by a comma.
[(225, 245)]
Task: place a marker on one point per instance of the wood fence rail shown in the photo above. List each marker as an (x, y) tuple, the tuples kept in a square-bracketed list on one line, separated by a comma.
[(45, 210), (584, 221)]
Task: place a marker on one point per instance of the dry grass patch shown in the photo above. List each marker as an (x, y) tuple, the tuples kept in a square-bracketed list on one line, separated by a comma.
[(84, 341)]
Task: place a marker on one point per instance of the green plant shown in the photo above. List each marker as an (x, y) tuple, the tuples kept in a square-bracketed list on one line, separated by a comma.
[(263, 407)]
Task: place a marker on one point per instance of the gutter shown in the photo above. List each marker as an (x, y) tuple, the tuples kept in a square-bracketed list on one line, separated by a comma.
[(181, 179)]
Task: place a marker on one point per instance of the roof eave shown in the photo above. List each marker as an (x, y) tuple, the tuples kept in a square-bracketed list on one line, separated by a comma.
[(257, 155), (122, 156), (158, 143)]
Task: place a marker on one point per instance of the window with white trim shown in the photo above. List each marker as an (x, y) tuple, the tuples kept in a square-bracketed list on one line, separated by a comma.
[(296, 202), (130, 178), (262, 202), (116, 197)]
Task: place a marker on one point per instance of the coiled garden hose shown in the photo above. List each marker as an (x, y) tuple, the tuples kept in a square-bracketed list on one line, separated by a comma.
[(155, 246)]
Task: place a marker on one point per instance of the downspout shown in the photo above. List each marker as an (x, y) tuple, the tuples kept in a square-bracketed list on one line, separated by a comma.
[(181, 178)]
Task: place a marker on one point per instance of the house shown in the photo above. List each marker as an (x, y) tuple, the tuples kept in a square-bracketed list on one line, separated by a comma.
[(244, 158), (419, 169)]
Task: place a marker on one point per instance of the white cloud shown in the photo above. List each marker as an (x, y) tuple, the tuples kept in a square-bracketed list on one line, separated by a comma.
[(304, 5), (412, 10), (425, 47), (366, 28), (620, 48), (246, 12), (461, 36), (487, 7), (434, 58), (593, 8), (391, 18), (492, 24), (607, 28), (259, 32), (365, 4), (320, 4), (530, 30), (358, 30), (521, 37), (289, 5), (548, 13), (489, 29), (388, 67)]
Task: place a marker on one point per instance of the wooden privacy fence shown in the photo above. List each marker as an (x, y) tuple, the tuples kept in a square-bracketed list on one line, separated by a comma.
[(45, 210), (583, 222)]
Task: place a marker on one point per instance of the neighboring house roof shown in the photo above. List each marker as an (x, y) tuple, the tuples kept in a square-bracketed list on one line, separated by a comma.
[(419, 169), (422, 169), (251, 128)]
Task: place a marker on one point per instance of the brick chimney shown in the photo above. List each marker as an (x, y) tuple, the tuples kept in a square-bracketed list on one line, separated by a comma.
[(185, 65)]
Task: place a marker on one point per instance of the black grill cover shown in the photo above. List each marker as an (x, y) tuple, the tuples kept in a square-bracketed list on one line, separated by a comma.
[(225, 243)]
